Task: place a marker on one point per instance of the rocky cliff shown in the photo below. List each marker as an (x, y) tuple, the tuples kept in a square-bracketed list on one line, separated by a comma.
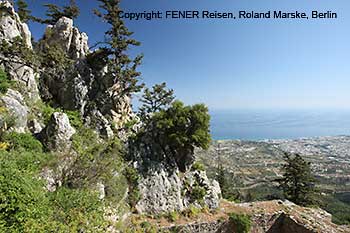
[(27, 87), (81, 86), (76, 114)]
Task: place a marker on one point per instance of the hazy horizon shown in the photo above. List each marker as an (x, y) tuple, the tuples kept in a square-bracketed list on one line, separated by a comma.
[(278, 124)]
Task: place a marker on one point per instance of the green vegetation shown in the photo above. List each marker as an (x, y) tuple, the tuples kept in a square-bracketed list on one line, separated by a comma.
[(182, 128), (171, 128), (18, 52), (132, 177), (22, 11), (221, 177), (22, 142), (197, 166), (138, 226), (47, 112), (24, 206), (54, 58), (5, 82), (339, 209), (173, 216), (154, 100), (191, 212), (55, 12), (198, 192), (79, 209), (75, 119), (7, 120), (114, 49), (227, 185), (241, 222), (27, 207), (298, 183)]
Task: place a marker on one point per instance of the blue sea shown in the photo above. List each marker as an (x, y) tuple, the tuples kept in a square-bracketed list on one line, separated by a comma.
[(278, 124)]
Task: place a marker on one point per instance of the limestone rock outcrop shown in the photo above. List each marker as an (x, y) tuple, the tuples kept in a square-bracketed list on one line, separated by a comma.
[(14, 102), (68, 37), (160, 192), (11, 28), (11, 25), (58, 133), (83, 86), (164, 188), (198, 179)]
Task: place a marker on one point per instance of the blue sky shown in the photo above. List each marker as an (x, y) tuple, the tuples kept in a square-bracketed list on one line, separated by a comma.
[(226, 64)]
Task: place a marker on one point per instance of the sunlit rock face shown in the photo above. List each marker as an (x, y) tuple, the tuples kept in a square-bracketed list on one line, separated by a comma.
[(68, 37), (14, 103), (12, 28), (83, 87), (58, 133), (164, 188), (11, 25), (25, 90)]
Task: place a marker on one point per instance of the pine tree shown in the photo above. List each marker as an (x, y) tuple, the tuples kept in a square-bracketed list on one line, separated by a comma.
[(55, 12), (298, 183), (121, 68), (22, 10), (221, 178), (155, 99)]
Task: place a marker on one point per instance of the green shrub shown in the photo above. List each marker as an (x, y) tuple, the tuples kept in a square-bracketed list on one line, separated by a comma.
[(74, 119), (23, 204), (340, 210), (86, 142), (241, 222), (197, 166), (47, 112), (7, 120), (5, 82), (148, 227), (40, 109), (80, 210), (198, 193), (23, 141), (26, 207), (97, 160), (191, 212), (172, 216), (128, 125), (132, 177), (175, 131)]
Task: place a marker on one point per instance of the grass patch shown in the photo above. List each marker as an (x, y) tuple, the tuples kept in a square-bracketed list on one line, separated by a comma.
[(241, 222), (5, 82)]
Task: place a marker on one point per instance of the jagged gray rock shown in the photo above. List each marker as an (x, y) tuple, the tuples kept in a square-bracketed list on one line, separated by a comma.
[(10, 28), (163, 189), (100, 123), (160, 191), (68, 37), (58, 133), (13, 101), (11, 25), (82, 87), (71, 90), (35, 126), (212, 188)]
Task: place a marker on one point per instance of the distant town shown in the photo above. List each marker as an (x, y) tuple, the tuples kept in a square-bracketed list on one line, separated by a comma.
[(253, 163)]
